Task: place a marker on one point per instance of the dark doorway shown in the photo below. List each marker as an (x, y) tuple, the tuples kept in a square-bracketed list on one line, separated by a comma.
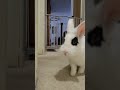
[(31, 29)]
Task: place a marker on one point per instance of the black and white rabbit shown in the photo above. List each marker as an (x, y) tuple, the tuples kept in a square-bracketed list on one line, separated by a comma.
[(74, 46)]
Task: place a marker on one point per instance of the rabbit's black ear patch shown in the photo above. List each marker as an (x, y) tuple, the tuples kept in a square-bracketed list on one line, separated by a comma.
[(74, 41), (95, 37)]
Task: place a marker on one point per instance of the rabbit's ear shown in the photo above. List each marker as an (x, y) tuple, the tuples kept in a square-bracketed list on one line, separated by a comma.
[(70, 25), (81, 29)]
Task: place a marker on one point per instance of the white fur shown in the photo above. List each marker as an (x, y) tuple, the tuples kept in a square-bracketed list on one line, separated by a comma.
[(76, 54)]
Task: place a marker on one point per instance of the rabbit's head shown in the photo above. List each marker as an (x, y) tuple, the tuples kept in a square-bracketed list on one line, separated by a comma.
[(73, 38)]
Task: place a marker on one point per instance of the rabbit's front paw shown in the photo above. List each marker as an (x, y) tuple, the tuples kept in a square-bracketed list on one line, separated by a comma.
[(72, 73), (73, 70)]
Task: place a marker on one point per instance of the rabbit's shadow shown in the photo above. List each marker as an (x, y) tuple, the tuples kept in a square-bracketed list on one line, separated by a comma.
[(64, 75)]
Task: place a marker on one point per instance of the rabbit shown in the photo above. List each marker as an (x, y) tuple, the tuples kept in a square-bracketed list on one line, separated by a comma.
[(74, 46)]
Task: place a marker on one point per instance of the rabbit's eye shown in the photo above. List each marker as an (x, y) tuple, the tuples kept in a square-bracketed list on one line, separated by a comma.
[(74, 41), (95, 37)]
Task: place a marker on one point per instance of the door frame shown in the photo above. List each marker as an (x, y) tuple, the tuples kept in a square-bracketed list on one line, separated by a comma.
[(40, 28), (40, 11), (40, 23)]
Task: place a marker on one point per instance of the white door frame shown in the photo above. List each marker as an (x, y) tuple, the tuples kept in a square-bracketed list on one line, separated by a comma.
[(40, 29), (40, 11)]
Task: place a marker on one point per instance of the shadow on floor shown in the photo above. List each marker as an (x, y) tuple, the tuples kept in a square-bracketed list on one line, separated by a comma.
[(64, 75)]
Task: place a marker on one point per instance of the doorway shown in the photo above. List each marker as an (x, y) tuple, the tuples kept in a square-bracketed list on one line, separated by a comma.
[(57, 18)]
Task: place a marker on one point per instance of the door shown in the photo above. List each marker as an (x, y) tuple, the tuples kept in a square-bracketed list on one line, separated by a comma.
[(13, 32)]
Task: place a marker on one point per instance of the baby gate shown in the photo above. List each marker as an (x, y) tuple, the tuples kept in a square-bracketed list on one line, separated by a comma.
[(56, 30)]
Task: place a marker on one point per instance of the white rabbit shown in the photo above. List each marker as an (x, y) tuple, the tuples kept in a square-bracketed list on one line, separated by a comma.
[(74, 46)]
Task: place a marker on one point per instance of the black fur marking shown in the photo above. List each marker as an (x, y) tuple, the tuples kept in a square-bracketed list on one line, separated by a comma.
[(95, 37), (74, 41)]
